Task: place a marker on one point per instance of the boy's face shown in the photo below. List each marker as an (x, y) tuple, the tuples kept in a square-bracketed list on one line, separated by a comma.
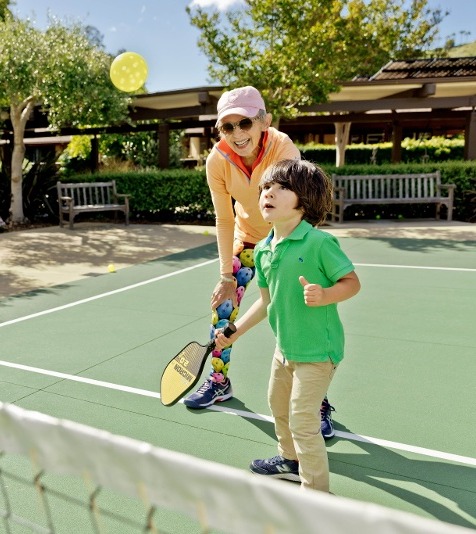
[(278, 204), (244, 143)]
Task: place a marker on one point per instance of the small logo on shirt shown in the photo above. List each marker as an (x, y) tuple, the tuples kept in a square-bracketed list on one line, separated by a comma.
[(300, 260)]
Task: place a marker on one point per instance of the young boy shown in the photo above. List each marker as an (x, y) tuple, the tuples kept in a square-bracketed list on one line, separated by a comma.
[(302, 274)]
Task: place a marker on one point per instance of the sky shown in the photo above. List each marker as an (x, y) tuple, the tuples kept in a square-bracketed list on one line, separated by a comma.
[(161, 32)]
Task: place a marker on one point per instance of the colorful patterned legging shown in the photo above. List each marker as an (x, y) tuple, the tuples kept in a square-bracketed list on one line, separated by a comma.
[(244, 272)]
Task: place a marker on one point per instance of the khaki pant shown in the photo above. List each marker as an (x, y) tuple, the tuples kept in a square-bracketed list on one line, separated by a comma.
[(295, 394)]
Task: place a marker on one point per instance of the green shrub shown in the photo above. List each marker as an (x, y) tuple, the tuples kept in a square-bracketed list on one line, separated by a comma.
[(40, 199), (181, 195), (460, 173), (160, 195), (435, 149)]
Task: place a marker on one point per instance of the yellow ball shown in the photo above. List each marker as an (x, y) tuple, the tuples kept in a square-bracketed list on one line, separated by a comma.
[(128, 71), (111, 268)]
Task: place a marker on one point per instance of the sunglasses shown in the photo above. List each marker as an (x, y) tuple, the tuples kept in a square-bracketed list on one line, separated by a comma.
[(244, 125)]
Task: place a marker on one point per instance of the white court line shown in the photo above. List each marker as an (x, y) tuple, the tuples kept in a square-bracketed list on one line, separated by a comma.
[(108, 294), (162, 277), (248, 415), (414, 267)]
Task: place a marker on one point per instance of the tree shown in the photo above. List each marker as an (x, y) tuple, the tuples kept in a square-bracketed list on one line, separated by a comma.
[(298, 51), (61, 71), (4, 10)]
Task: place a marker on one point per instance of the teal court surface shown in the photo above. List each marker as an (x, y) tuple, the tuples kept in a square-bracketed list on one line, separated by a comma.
[(92, 350)]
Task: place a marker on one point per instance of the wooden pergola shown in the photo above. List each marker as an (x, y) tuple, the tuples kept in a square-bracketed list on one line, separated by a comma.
[(433, 95), (436, 95)]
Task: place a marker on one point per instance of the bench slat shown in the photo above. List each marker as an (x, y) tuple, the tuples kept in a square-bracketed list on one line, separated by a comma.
[(89, 197), (390, 189)]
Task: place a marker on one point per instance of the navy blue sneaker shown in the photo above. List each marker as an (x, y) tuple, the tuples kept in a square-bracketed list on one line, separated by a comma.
[(209, 393), (277, 467), (327, 428)]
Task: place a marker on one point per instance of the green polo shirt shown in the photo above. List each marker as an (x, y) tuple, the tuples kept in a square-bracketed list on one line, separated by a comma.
[(303, 333)]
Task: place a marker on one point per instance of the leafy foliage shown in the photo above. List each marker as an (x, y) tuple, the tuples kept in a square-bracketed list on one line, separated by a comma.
[(4, 10), (40, 198), (435, 149), (176, 195), (465, 50), (460, 173), (140, 149), (158, 195), (60, 69), (135, 150), (297, 52)]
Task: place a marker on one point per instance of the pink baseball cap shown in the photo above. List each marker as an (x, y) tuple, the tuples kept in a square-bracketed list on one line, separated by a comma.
[(246, 101)]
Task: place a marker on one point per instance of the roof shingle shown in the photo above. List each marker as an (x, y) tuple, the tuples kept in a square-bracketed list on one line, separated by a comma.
[(410, 69)]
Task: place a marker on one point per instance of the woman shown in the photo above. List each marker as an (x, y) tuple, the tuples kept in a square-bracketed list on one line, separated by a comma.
[(248, 146)]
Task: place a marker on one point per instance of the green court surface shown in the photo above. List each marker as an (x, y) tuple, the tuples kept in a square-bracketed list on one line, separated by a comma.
[(405, 394)]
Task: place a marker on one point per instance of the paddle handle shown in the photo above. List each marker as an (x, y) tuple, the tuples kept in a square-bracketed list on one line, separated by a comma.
[(229, 330)]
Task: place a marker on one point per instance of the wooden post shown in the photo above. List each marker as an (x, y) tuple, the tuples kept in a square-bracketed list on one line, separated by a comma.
[(94, 156), (470, 136), (163, 145), (397, 142)]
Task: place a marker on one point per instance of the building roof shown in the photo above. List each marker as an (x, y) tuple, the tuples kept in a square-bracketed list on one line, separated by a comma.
[(183, 103), (442, 83), (411, 69), (436, 83)]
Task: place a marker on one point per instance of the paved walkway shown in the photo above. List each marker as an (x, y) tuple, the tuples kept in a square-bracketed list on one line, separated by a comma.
[(44, 257)]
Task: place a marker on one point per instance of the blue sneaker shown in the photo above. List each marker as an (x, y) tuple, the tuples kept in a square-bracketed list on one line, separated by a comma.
[(209, 393), (277, 467), (327, 428)]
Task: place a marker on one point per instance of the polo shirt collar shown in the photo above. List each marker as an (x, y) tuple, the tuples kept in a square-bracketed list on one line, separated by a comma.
[(297, 234), (234, 158)]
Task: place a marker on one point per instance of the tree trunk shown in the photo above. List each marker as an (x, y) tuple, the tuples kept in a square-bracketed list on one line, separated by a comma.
[(19, 116)]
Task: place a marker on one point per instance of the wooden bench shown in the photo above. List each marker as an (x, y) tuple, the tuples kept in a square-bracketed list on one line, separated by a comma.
[(78, 198), (424, 188)]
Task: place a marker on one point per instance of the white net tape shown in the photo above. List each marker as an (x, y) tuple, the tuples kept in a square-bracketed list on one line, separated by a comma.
[(215, 496)]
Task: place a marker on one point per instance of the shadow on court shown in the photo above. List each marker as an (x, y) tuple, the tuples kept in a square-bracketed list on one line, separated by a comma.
[(45, 257), (235, 403), (427, 245), (409, 480), (393, 473), (11, 284)]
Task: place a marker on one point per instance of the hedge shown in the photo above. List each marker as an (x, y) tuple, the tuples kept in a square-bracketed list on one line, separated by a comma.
[(183, 195), (160, 195), (460, 173), (434, 150)]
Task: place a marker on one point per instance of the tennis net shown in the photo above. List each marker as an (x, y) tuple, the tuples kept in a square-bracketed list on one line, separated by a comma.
[(57, 476)]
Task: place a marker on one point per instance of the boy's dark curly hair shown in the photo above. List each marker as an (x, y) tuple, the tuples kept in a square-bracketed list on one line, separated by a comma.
[(310, 183)]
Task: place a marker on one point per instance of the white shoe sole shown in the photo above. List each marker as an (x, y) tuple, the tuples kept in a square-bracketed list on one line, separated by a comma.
[(283, 476)]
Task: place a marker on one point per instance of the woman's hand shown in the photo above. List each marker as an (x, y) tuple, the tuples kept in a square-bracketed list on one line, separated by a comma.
[(224, 291)]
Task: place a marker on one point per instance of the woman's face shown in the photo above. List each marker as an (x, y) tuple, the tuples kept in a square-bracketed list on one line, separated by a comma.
[(245, 143)]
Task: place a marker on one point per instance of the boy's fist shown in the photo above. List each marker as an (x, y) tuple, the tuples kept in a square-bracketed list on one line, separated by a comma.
[(313, 293)]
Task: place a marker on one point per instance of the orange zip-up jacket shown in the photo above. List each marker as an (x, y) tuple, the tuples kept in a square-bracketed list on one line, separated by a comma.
[(229, 179)]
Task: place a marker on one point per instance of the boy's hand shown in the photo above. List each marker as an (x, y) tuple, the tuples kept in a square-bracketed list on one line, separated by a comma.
[(221, 341), (314, 294)]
